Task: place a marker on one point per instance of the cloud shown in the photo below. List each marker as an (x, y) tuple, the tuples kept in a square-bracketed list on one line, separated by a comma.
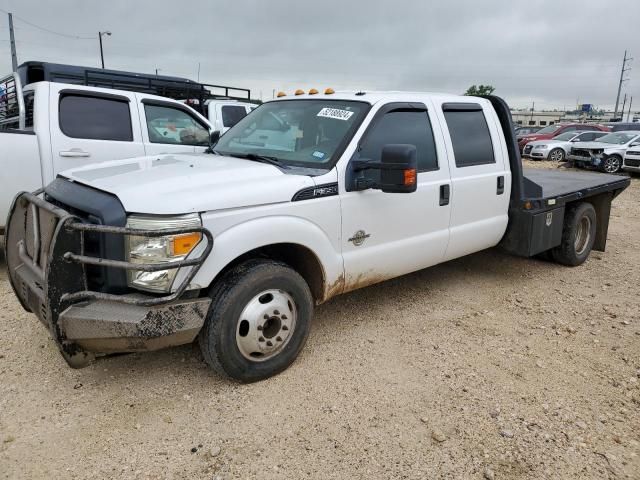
[(553, 53)]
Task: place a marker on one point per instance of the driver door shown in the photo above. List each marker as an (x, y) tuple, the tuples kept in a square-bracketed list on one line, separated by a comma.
[(389, 234)]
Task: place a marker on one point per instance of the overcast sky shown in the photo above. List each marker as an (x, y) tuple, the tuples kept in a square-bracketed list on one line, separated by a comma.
[(556, 53)]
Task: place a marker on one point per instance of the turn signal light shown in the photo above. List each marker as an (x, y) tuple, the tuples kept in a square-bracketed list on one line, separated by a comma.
[(410, 176), (329, 91), (313, 91), (183, 244), (299, 92), (528, 205), (281, 94)]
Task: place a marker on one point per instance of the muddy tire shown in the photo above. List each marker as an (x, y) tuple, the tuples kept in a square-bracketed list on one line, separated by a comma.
[(258, 322), (578, 235)]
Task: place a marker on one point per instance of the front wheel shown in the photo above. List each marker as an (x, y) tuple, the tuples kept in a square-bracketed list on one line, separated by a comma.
[(258, 322), (612, 164), (578, 235), (556, 155)]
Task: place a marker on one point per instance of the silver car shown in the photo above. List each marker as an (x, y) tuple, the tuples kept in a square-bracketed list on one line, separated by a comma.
[(607, 153), (557, 148)]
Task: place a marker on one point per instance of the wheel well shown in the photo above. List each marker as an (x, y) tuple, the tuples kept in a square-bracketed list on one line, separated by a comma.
[(298, 257), (602, 205)]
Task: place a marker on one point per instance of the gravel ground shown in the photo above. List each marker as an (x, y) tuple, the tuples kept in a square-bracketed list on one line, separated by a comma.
[(485, 367)]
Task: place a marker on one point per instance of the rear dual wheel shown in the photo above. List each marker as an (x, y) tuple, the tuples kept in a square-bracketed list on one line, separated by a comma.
[(578, 235), (258, 322)]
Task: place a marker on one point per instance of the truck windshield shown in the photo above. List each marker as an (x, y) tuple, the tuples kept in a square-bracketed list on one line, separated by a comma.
[(307, 133), (618, 138)]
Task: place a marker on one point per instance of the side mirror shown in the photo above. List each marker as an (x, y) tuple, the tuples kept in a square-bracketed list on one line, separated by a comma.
[(213, 138), (398, 168)]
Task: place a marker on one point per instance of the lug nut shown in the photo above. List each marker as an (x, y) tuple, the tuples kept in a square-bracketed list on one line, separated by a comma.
[(279, 339), (276, 312), (269, 344), (259, 327), (284, 327), (261, 339)]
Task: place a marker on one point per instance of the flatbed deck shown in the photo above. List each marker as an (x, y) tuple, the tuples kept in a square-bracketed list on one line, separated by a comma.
[(542, 183)]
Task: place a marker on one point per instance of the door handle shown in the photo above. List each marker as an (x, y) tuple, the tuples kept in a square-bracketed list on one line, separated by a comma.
[(445, 193), (500, 189), (74, 153)]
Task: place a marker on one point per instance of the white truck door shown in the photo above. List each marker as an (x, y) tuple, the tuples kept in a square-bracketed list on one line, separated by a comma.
[(89, 126), (171, 127), (480, 176), (389, 234)]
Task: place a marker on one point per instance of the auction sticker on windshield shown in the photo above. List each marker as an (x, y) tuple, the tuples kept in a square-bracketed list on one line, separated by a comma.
[(335, 113)]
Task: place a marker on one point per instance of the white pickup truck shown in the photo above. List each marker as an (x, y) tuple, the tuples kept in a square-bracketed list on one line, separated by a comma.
[(48, 127), (304, 199)]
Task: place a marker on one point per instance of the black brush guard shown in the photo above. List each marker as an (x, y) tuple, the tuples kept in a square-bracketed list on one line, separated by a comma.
[(45, 253)]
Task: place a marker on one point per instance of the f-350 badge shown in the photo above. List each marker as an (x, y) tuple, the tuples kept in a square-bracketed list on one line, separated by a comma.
[(359, 237)]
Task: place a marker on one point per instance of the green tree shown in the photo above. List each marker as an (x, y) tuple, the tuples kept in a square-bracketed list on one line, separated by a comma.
[(480, 90)]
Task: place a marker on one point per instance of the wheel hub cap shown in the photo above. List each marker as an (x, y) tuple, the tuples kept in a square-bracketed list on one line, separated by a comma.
[(583, 235), (265, 325)]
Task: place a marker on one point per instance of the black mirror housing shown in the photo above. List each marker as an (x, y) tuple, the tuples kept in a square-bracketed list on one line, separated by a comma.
[(213, 138), (398, 168)]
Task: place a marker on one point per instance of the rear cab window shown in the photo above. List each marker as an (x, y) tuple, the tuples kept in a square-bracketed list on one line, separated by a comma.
[(470, 135), (232, 114)]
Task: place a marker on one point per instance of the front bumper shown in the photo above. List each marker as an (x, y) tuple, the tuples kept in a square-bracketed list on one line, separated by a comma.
[(45, 254), (631, 164), (536, 153)]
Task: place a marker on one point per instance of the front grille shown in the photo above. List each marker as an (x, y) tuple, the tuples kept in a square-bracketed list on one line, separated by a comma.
[(527, 149), (578, 152), (631, 163)]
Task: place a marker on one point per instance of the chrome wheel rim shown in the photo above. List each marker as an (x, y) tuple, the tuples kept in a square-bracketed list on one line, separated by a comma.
[(557, 155), (266, 325), (583, 235), (611, 165)]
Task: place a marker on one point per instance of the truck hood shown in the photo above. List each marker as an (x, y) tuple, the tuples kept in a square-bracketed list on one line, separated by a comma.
[(185, 183)]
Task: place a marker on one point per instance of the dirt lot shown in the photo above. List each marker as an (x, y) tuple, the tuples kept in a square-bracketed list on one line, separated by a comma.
[(486, 367)]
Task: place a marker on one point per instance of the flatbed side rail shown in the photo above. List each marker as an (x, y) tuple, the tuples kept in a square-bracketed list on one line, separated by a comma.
[(71, 224)]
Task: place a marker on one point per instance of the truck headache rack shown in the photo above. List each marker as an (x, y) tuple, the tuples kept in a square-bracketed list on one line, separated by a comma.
[(12, 109), (49, 243), (177, 88)]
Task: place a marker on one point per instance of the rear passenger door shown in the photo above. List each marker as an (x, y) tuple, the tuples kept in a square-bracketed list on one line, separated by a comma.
[(89, 127), (480, 176), (389, 234)]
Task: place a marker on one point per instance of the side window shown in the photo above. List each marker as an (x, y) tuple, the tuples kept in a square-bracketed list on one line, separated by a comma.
[(572, 128), (470, 138), (402, 126), (174, 126), (95, 118), (232, 114), (587, 137)]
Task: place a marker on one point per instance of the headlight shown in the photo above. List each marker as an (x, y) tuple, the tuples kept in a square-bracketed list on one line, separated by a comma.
[(169, 249), (540, 146)]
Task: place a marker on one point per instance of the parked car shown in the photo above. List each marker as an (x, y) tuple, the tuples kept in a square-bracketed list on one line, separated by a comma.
[(631, 161), (522, 131), (375, 186), (554, 130), (556, 148), (48, 127), (620, 127), (606, 153)]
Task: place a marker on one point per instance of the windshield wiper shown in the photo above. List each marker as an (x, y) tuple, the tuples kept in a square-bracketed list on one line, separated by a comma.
[(261, 158)]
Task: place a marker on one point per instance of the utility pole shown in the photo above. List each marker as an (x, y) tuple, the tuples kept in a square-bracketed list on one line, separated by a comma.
[(622, 79), (629, 119), (624, 102), (100, 34), (12, 39), (533, 107)]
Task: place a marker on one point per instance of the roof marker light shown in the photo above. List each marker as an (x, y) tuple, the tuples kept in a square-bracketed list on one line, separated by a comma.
[(299, 92), (313, 91), (329, 91), (281, 94)]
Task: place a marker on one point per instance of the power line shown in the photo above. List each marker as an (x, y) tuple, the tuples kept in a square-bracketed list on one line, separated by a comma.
[(44, 29)]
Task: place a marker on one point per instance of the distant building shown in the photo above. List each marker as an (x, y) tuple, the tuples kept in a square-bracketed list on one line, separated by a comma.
[(537, 119)]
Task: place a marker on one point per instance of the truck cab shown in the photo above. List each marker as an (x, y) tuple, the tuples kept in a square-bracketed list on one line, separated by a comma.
[(305, 198)]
